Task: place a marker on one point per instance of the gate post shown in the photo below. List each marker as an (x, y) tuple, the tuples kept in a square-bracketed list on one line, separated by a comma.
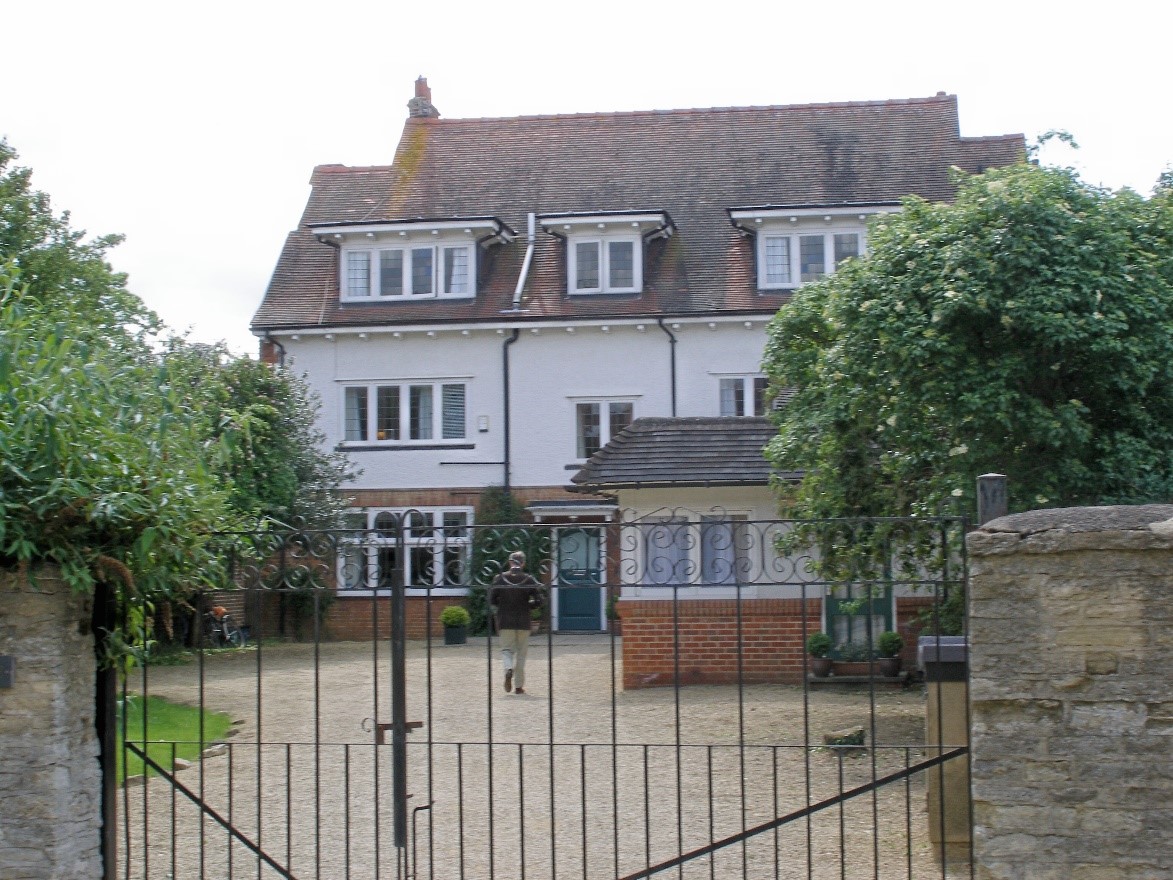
[(399, 684), (944, 660)]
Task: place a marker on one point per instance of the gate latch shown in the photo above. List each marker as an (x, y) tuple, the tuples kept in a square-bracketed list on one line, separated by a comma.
[(382, 729)]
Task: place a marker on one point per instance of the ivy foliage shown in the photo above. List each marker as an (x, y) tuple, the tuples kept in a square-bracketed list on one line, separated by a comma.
[(1026, 329)]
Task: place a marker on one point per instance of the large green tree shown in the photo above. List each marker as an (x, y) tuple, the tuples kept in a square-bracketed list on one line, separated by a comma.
[(1026, 328)]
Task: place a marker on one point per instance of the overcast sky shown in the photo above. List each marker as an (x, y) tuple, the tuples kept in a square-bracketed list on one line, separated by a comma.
[(192, 129)]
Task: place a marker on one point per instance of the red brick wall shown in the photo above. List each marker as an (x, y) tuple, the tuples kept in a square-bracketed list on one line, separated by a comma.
[(771, 632), (352, 618)]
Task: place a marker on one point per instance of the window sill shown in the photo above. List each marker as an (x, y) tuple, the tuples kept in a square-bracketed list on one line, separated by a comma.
[(399, 447)]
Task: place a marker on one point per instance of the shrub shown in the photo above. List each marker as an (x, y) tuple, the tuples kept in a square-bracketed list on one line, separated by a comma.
[(818, 644), (455, 615), (889, 644)]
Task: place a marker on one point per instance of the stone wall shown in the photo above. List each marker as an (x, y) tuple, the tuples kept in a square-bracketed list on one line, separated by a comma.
[(50, 780), (1071, 699)]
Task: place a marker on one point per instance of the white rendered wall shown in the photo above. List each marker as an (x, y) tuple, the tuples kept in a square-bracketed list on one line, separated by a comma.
[(550, 371)]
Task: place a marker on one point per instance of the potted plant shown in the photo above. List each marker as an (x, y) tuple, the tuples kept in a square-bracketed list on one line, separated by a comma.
[(889, 645), (455, 619), (818, 645)]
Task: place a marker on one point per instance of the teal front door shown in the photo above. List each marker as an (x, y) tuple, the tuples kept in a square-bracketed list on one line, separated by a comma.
[(580, 580)]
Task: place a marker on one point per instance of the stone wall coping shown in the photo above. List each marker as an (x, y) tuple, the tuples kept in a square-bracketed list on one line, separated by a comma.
[(1116, 527)]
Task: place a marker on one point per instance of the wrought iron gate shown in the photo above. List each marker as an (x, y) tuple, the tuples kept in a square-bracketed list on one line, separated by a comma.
[(694, 743)]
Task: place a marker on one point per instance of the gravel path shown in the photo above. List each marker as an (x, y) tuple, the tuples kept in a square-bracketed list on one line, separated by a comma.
[(585, 780)]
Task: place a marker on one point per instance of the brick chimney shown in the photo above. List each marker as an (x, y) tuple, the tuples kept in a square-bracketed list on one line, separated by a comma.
[(421, 105)]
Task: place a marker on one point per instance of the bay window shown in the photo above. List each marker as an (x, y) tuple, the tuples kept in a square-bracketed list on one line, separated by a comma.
[(434, 542)]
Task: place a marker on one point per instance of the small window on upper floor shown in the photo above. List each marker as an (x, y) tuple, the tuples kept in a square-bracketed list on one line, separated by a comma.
[(605, 252), (795, 246), (410, 272), (743, 395), (411, 260)]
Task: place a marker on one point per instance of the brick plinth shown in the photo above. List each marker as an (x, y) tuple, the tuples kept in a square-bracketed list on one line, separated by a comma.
[(360, 618), (707, 633)]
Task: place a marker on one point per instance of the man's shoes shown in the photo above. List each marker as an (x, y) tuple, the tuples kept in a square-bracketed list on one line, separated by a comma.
[(519, 691), (509, 682)]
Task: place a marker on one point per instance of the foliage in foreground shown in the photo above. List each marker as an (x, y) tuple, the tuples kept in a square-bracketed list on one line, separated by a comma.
[(1026, 329)]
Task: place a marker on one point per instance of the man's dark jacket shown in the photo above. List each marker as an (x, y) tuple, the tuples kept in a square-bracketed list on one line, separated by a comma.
[(514, 594)]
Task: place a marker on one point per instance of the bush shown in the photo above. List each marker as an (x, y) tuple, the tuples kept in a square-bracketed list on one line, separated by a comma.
[(455, 615), (818, 644), (889, 644)]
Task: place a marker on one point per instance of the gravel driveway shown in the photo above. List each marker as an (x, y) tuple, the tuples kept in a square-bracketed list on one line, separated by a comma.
[(585, 780)]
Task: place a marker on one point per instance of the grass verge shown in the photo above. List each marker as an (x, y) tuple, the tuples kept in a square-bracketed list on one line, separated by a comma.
[(172, 731)]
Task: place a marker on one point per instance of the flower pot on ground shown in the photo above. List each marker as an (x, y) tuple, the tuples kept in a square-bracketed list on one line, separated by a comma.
[(818, 646), (455, 620), (889, 645)]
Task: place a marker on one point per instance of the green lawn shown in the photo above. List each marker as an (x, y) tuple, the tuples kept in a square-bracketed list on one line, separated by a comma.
[(173, 731)]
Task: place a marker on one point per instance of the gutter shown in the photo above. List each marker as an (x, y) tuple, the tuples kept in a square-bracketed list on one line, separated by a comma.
[(672, 361), (508, 459)]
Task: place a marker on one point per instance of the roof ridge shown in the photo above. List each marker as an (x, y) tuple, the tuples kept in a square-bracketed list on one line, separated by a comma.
[(607, 114)]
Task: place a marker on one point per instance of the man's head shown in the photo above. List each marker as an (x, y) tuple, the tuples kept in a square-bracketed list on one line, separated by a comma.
[(516, 559)]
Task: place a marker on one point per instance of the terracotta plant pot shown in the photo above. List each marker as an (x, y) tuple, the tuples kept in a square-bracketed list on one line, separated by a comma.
[(889, 667)]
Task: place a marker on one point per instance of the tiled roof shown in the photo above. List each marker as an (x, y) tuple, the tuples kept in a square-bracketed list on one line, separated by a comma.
[(692, 164), (722, 451)]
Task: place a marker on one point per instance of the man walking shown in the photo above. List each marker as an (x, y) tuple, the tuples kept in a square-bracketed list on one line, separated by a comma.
[(513, 595)]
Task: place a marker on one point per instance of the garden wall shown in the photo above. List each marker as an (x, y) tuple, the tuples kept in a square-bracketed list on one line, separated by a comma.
[(50, 780), (1071, 705)]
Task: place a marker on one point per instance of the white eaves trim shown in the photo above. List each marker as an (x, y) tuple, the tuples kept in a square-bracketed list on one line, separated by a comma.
[(741, 216), (470, 226)]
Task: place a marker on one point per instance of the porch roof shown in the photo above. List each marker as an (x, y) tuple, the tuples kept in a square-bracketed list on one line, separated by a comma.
[(682, 452)]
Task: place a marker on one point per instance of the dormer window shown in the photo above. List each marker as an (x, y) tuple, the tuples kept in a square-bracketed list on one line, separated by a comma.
[(795, 246), (604, 252), (412, 260)]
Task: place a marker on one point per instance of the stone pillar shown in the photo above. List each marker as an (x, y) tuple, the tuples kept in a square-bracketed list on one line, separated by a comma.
[(1070, 696), (50, 779)]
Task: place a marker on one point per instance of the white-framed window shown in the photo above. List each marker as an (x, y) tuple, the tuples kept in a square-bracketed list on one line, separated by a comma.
[(788, 259), (433, 544), (597, 421), (404, 412), (725, 546), (709, 550), (605, 264), (743, 395), (408, 271)]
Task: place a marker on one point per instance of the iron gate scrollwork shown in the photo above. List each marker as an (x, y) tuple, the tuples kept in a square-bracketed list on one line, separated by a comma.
[(689, 744)]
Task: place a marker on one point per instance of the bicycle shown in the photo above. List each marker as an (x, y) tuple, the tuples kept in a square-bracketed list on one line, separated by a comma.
[(220, 630)]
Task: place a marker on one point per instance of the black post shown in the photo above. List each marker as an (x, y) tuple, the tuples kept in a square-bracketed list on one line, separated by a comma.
[(991, 497), (399, 683), (104, 621)]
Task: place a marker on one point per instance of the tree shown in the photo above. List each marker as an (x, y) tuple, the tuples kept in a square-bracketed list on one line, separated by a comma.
[(1026, 329), (260, 423)]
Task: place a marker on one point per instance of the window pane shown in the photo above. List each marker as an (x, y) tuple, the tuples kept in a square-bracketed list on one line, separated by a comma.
[(421, 412), (391, 273), (846, 247), (358, 273), (777, 260), (387, 413), (732, 397), (419, 524), (455, 522), (421, 271), (455, 270), (717, 551), (588, 429), (760, 384), (620, 417), (586, 263), (354, 567), (356, 413), (452, 416), (621, 264), (422, 567), (666, 551), (811, 258)]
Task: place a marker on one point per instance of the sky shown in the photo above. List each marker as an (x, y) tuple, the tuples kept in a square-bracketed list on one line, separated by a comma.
[(192, 128)]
